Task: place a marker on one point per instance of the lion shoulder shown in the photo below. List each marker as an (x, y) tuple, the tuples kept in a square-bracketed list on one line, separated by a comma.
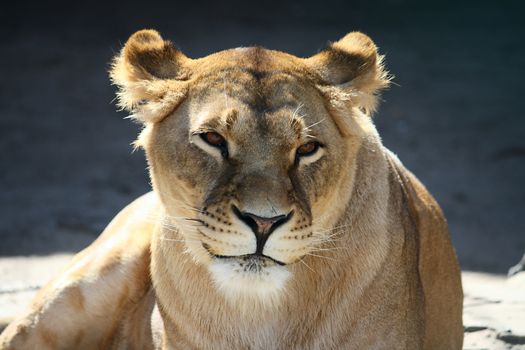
[(438, 266)]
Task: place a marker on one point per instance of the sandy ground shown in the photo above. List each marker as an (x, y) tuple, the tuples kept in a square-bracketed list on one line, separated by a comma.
[(454, 116)]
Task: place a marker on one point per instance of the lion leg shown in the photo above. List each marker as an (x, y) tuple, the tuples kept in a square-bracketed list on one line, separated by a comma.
[(84, 306), (135, 331)]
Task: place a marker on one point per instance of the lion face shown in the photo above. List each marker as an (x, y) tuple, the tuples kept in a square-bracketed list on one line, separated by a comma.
[(257, 179), (248, 149)]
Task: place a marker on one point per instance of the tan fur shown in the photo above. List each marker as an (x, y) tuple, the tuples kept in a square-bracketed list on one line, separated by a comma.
[(367, 260)]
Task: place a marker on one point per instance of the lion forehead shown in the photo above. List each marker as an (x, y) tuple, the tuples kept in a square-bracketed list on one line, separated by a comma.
[(250, 59), (259, 91)]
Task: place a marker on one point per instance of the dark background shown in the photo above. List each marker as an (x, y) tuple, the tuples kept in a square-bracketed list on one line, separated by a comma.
[(454, 116)]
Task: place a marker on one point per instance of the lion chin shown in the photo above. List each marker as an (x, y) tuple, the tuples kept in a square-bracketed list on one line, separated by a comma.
[(251, 278)]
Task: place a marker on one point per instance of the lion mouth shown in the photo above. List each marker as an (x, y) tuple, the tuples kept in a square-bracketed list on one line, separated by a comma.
[(253, 262)]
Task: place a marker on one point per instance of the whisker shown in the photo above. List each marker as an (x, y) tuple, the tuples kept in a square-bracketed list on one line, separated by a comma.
[(334, 228), (307, 128), (330, 249), (194, 220), (177, 226), (305, 264), (184, 205), (178, 240), (173, 228), (321, 256), (327, 238), (179, 221)]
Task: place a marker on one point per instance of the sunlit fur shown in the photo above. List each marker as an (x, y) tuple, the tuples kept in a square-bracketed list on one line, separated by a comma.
[(364, 260), (249, 282)]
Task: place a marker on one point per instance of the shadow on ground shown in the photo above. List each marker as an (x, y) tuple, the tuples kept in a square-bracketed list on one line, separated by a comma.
[(455, 116)]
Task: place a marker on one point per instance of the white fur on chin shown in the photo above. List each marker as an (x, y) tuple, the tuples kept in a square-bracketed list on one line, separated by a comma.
[(264, 284)]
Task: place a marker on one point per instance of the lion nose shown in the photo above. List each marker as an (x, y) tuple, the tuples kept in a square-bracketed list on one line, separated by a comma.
[(263, 227)]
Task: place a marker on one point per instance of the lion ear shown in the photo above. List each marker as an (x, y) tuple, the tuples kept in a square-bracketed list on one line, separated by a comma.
[(352, 71), (151, 75)]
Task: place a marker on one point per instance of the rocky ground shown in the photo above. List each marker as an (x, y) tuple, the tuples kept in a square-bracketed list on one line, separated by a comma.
[(494, 311)]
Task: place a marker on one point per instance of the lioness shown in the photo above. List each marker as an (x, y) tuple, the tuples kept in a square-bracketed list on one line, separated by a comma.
[(277, 220)]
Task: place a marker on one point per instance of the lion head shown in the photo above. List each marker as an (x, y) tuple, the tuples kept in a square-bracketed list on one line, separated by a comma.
[(252, 152)]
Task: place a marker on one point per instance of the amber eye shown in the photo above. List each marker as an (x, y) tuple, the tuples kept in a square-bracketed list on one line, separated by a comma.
[(308, 149), (216, 140), (213, 139)]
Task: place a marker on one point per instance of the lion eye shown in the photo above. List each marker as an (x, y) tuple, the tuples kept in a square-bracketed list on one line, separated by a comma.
[(308, 149), (216, 140), (213, 139)]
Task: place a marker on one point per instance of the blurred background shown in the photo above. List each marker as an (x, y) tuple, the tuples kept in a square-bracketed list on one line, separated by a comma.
[(455, 115)]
